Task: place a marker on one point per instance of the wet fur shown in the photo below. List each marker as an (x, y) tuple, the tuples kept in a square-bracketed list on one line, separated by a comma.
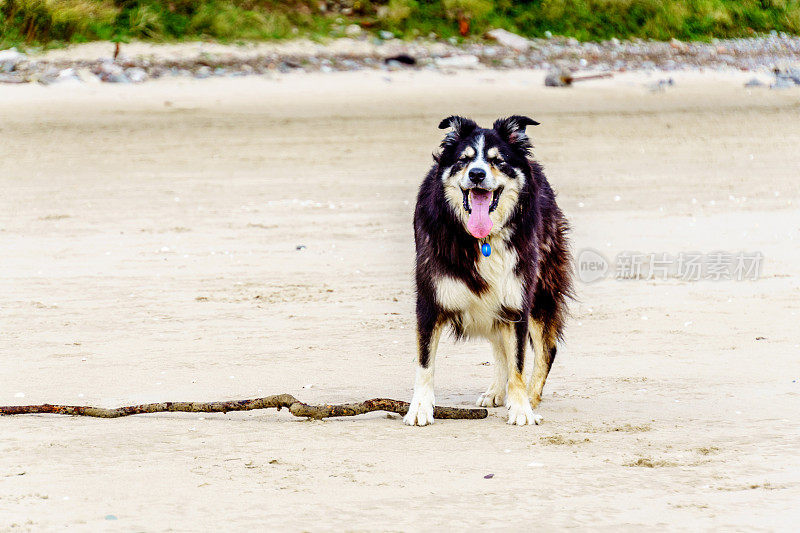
[(474, 296)]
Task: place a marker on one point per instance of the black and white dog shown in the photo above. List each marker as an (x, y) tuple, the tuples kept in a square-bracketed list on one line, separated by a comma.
[(492, 261)]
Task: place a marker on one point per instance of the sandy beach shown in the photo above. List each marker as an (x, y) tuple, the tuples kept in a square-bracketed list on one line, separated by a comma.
[(234, 238)]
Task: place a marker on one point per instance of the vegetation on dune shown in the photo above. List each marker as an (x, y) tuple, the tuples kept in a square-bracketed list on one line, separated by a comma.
[(42, 22)]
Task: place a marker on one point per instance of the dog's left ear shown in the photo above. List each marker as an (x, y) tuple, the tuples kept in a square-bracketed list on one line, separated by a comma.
[(461, 128), (512, 129)]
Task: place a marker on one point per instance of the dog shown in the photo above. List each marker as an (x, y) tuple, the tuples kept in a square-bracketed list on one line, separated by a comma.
[(492, 261)]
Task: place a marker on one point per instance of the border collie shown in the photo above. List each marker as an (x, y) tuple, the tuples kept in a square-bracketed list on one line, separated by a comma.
[(492, 261)]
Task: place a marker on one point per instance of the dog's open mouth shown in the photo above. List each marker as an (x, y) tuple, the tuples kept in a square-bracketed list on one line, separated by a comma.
[(482, 193), (478, 203)]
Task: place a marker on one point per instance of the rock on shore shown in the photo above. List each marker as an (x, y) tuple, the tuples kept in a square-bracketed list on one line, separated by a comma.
[(140, 62)]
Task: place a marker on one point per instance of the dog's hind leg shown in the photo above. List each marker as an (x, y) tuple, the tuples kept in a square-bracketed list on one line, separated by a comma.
[(429, 330), (515, 340), (495, 395), (543, 342)]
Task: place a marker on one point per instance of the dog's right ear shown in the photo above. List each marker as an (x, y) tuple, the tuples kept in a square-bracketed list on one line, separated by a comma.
[(461, 128)]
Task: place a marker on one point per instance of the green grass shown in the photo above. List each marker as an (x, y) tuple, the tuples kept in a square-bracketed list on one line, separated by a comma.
[(52, 22)]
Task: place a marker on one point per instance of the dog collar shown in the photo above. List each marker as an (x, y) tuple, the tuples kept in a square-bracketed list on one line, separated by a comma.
[(486, 249)]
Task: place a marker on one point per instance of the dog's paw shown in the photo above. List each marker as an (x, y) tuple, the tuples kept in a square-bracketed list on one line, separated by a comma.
[(420, 411), (491, 398), (521, 414)]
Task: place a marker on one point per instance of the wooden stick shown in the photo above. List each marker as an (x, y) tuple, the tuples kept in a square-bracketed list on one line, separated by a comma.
[(573, 79), (295, 406)]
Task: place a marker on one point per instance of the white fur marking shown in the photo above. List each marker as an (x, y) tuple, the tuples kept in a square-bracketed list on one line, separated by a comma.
[(479, 313), (479, 162), (420, 411), (479, 147), (446, 174), (521, 414), (453, 294)]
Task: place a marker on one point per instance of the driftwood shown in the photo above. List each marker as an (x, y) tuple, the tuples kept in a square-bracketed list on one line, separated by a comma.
[(561, 77), (295, 406)]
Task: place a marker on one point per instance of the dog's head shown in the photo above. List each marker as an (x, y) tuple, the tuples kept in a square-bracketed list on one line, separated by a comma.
[(484, 170)]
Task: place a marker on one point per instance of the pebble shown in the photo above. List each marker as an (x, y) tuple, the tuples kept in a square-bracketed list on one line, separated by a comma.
[(754, 82), (678, 45), (400, 59), (87, 76), (353, 30), (203, 72), (661, 84), (465, 61), (12, 78), (9, 59), (136, 74), (67, 75), (558, 77), (782, 83), (510, 40), (507, 50)]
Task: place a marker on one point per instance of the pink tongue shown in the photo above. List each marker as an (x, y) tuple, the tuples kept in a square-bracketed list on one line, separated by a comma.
[(479, 223)]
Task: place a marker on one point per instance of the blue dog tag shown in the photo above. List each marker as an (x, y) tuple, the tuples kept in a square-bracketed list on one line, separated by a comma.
[(486, 249)]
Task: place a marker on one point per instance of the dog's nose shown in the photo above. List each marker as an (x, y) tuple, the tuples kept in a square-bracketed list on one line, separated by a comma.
[(476, 175)]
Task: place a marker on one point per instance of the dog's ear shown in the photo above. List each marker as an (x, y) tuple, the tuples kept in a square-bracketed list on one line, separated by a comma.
[(458, 124), (461, 127), (512, 129)]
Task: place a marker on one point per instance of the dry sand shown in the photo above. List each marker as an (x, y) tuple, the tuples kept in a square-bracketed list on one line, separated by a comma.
[(149, 240)]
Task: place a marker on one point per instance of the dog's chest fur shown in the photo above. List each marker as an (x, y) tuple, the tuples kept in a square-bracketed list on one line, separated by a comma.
[(479, 314)]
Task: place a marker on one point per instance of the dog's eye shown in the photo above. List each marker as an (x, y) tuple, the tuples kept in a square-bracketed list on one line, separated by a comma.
[(493, 156)]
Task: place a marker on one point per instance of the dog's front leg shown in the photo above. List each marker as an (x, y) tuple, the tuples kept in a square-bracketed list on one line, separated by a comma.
[(429, 329), (495, 395), (519, 406)]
